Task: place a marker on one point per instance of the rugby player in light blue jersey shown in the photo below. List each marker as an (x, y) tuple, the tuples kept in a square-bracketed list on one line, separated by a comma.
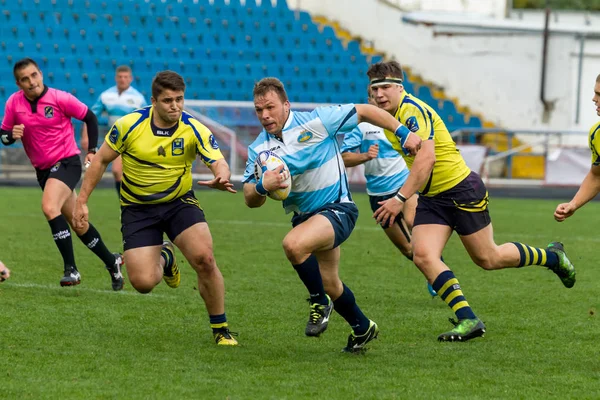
[(116, 102), (324, 213)]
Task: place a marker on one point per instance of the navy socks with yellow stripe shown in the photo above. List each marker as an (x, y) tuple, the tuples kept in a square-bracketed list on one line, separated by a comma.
[(447, 287), (535, 256), (218, 322)]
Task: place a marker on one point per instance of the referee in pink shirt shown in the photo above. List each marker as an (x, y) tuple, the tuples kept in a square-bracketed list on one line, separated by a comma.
[(40, 117)]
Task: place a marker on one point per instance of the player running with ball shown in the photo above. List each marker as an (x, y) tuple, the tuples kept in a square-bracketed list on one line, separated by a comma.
[(323, 211)]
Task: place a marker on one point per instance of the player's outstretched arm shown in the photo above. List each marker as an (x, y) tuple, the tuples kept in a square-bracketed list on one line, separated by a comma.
[(589, 188), (220, 170), (352, 159), (419, 173), (381, 118), (94, 173)]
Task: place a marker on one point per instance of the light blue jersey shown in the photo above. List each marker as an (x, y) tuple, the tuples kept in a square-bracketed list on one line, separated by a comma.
[(117, 105), (386, 173), (311, 152)]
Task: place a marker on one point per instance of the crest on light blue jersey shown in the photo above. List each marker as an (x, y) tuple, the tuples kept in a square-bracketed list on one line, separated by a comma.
[(304, 136), (177, 147), (412, 124)]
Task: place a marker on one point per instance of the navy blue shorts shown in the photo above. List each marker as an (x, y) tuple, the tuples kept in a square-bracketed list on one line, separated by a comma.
[(67, 170), (464, 208), (374, 200), (342, 216), (144, 224)]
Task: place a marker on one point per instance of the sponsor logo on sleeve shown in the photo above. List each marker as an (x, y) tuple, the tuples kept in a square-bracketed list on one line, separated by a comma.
[(412, 124), (213, 142), (113, 136)]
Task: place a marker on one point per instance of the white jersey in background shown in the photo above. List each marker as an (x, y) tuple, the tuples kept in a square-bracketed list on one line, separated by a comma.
[(384, 174), (117, 105)]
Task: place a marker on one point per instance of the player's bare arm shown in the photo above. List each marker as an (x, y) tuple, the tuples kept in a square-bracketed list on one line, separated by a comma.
[(251, 196), (222, 173), (382, 118), (589, 188), (93, 175), (419, 173), (352, 159)]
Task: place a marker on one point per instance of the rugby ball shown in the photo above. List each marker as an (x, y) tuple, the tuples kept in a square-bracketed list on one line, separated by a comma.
[(272, 161)]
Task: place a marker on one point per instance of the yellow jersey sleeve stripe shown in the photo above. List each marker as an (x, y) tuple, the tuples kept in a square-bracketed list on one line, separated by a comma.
[(414, 103), (145, 113)]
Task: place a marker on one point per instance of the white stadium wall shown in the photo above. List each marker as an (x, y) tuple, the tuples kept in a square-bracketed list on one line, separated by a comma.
[(492, 65)]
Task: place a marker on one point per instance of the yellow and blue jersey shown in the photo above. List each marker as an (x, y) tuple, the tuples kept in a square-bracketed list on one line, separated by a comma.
[(450, 168), (157, 163), (594, 143)]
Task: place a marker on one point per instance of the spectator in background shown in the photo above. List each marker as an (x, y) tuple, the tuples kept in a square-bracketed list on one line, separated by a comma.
[(116, 102)]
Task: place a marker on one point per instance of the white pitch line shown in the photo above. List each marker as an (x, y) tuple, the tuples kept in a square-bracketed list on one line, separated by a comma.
[(377, 228), (78, 288)]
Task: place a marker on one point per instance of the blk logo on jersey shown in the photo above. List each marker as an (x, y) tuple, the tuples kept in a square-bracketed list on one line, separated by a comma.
[(177, 147), (412, 124), (48, 112), (305, 136), (213, 142)]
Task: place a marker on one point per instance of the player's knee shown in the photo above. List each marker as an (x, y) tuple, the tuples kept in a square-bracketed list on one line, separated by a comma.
[(50, 210), (204, 263), (422, 259), (142, 285), (293, 250), (484, 261)]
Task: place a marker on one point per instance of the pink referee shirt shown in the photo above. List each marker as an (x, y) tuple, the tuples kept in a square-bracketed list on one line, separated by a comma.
[(48, 136)]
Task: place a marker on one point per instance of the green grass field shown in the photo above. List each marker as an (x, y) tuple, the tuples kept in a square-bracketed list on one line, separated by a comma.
[(88, 342)]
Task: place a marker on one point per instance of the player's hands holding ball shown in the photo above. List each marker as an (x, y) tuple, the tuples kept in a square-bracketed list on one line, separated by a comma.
[(273, 175), (275, 179), (564, 211)]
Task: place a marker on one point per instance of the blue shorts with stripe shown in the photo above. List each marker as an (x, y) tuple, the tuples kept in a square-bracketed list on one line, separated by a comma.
[(342, 216)]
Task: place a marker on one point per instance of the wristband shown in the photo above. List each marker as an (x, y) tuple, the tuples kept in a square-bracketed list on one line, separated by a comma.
[(7, 137), (402, 133), (400, 197), (260, 189)]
